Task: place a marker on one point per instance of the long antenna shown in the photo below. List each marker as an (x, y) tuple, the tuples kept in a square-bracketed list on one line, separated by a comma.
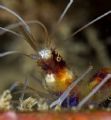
[(15, 25), (4, 30), (59, 21), (65, 11), (15, 14), (25, 28), (94, 91), (90, 23), (8, 53)]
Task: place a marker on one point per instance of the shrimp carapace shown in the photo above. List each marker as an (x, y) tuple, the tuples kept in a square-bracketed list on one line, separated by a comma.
[(58, 76)]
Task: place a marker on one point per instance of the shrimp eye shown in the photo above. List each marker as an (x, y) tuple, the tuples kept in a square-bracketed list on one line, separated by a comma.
[(58, 58)]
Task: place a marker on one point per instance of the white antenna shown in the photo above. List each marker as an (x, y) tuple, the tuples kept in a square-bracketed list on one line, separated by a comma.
[(8, 53), (15, 25), (25, 29), (30, 22), (65, 11), (4, 30), (90, 23), (15, 14)]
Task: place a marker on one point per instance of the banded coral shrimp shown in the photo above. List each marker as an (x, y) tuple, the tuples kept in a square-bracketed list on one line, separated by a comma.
[(59, 78)]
